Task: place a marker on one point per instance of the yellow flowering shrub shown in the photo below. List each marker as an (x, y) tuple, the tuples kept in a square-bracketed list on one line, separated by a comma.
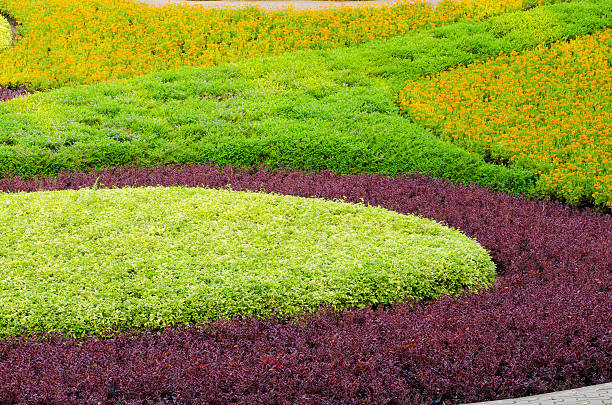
[(6, 36), (548, 110), (85, 41)]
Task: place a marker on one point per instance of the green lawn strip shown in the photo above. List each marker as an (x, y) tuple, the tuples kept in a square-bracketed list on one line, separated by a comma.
[(6, 35), (100, 260), (325, 109)]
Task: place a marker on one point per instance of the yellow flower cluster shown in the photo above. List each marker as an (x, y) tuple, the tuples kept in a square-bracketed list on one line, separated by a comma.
[(85, 41), (548, 110)]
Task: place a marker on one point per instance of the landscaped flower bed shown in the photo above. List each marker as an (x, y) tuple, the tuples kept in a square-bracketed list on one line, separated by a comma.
[(323, 109), (113, 251), (544, 326), (67, 42), (548, 110)]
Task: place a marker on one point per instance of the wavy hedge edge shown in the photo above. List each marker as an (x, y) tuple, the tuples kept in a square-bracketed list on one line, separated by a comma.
[(545, 326), (91, 261)]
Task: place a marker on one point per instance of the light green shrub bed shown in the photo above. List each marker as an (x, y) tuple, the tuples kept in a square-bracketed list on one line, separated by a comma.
[(6, 36), (103, 260)]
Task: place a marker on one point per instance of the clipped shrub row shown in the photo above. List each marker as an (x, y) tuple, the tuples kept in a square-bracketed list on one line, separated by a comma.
[(94, 261), (545, 325), (313, 110), (546, 110), (75, 42)]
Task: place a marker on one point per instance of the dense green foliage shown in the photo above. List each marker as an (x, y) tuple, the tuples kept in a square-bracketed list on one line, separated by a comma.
[(309, 109), (95, 260)]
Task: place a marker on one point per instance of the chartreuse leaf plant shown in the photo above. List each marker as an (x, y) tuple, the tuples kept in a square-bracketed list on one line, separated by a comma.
[(96, 261)]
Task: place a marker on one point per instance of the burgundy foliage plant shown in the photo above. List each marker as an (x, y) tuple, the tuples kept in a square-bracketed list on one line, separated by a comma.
[(546, 325), (7, 93)]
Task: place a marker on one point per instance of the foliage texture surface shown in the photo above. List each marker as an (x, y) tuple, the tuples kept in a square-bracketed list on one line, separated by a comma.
[(543, 327), (87, 261)]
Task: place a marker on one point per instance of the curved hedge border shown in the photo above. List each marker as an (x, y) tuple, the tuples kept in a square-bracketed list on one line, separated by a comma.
[(544, 327), (93, 261), (312, 110)]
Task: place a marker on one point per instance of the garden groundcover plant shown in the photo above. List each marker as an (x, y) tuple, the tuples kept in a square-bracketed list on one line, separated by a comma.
[(89, 261), (544, 325)]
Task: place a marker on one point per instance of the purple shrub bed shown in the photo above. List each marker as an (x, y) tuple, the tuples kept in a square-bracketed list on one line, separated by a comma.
[(545, 326), (7, 93)]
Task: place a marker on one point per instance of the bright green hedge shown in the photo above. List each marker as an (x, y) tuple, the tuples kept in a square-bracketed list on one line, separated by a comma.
[(6, 36), (313, 110), (95, 260)]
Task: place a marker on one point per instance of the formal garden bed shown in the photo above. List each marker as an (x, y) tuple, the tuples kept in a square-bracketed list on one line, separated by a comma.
[(305, 206)]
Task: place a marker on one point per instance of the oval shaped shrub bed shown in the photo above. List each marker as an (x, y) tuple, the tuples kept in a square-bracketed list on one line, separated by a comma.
[(101, 260)]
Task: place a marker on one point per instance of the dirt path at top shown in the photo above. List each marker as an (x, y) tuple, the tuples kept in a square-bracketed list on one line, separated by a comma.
[(274, 5)]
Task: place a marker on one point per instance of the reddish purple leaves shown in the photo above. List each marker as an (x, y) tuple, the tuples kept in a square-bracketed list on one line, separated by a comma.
[(7, 93), (545, 326)]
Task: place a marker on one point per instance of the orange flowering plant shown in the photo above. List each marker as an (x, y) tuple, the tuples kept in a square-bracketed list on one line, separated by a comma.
[(548, 110), (68, 42)]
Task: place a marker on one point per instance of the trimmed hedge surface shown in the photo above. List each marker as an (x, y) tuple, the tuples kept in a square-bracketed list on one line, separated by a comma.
[(313, 110), (545, 326), (93, 261)]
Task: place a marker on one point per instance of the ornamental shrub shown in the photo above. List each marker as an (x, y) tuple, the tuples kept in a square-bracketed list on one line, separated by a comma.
[(95, 261), (545, 326)]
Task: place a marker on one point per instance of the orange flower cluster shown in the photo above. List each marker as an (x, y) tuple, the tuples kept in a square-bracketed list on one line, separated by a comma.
[(548, 110), (85, 41)]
